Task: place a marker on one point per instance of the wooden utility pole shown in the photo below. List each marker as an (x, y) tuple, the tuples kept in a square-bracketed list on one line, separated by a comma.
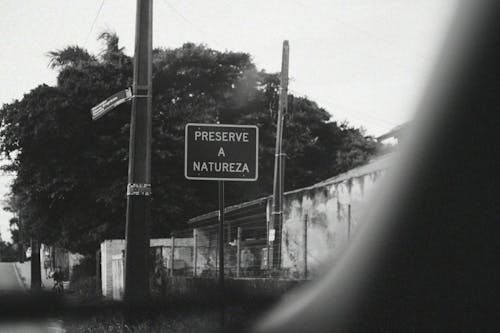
[(279, 161), (139, 172)]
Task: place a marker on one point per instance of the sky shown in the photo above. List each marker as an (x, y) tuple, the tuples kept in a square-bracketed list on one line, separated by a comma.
[(364, 61)]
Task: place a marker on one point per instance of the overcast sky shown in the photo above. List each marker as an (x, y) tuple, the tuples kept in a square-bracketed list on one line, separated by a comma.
[(364, 61)]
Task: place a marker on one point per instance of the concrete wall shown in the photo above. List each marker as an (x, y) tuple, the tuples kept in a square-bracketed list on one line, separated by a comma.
[(318, 222), (109, 248), (317, 219), (118, 276)]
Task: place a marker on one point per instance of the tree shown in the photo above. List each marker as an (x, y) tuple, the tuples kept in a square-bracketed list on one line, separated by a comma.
[(71, 173), (8, 251)]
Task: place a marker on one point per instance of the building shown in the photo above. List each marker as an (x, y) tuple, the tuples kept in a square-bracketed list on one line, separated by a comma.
[(111, 261)]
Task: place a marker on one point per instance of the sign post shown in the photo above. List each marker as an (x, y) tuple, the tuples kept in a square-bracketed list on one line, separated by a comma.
[(221, 153), (221, 246)]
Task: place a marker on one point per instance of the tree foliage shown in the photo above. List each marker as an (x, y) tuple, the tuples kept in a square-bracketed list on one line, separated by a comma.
[(8, 251), (71, 172)]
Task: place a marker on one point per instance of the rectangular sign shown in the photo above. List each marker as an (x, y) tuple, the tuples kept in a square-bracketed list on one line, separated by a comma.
[(221, 152), (110, 103)]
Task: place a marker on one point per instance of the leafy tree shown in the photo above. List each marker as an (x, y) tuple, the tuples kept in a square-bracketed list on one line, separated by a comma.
[(71, 172), (8, 251)]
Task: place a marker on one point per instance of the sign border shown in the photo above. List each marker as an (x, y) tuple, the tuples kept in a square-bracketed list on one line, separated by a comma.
[(222, 179)]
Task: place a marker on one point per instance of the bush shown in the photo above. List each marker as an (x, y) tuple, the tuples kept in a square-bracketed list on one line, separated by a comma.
[(85, 269), (83, 279), (84, 288)]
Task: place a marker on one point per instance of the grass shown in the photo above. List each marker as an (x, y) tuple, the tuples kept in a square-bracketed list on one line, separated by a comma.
[(177, 314), (195, 311), (197, 320), (160, 323)]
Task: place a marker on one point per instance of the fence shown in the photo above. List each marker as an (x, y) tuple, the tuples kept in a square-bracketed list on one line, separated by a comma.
[(318, 222), (247, 250), (195, 252), (172, 256)]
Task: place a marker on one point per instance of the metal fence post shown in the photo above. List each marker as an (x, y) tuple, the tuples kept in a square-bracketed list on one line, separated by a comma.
[(348, 222), (268, 242), (195, 251), (172, 247), (238, 256), (216, 253), (306, 218), (98, 276)]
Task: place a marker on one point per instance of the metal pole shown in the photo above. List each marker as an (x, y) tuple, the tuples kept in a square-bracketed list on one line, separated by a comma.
[(221, 235), (348, 221), (221, 253), (306, 218), (277, 214), (139, 172), (269, 243), (238, 255), (98, 271), (172, 254), (195, 250)]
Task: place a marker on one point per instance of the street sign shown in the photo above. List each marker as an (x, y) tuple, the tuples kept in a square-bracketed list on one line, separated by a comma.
[(221, 152), (110, 103)]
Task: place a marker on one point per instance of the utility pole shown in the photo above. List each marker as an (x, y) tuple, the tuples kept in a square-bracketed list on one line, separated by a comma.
[(139, 172), (279, 161), (36, 271)]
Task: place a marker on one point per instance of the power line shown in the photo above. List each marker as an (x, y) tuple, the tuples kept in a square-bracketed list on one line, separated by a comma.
[(376, 37), (185, 19), (93, 23)]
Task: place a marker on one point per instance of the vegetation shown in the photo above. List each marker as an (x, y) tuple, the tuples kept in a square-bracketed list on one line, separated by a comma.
[(71, 172), (8, 251)]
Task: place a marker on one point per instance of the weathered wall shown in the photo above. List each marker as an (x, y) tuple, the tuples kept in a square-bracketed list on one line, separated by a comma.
[(109, 248), (319, 220)]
